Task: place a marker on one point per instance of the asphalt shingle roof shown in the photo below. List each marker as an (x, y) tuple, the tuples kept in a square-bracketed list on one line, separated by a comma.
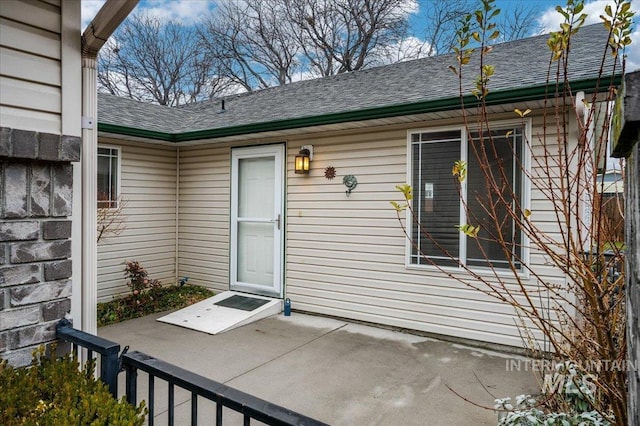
[(518, 64)]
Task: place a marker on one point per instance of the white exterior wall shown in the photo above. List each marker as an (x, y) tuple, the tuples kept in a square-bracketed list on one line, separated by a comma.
[(148, 186), (345, 256), (35, 42)]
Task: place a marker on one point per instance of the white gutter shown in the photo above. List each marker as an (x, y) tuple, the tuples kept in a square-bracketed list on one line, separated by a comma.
[(112, 13)]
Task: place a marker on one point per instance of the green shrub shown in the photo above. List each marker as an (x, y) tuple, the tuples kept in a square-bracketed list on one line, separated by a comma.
[(56, 392), (157, 299)]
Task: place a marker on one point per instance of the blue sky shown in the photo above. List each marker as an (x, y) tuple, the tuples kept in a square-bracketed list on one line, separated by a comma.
[(192, 10)]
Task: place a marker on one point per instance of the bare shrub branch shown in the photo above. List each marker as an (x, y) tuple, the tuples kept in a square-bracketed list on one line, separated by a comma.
[(572, 308), (110, 219)]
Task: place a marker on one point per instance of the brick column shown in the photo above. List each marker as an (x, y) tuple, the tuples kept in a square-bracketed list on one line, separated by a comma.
[(36, 187)]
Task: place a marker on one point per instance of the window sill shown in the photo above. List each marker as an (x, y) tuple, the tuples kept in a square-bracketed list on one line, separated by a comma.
[(453, 270)]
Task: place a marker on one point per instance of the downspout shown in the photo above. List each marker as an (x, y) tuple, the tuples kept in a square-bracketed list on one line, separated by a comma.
[(112, 13), (177, 235)]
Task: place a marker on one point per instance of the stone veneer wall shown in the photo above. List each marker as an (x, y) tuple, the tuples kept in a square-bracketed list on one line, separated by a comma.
[(36, 187)]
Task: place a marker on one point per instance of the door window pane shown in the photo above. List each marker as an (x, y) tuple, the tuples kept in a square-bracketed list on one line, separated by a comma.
[(256, 183), (255, 253)]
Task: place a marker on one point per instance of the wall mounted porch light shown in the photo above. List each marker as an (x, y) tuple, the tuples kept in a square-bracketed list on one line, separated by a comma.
[(303, 160)]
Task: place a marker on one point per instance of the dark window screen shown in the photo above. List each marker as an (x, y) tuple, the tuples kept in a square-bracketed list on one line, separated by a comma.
[(487, 207), (436, 201)]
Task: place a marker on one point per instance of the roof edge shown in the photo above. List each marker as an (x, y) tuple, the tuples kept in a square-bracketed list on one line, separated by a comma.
[(494, 98), (132, 131)]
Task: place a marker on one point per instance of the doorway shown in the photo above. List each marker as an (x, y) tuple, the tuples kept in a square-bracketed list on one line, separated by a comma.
[(257, 227)]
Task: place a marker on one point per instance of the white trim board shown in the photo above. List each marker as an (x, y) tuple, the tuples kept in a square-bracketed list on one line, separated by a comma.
[(210, 318)]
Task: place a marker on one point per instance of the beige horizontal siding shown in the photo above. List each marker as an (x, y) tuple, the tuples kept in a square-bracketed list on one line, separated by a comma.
[(25, 38), (38, 14), (19, 118), (30, 65), (25, 66), (204, 215), (148, 186), (23, 94), (346, 254)]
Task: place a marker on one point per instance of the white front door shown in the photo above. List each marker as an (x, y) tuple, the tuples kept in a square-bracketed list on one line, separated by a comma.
[(257, 204)]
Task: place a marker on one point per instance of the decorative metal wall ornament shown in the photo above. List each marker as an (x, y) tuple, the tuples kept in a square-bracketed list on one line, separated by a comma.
[(330, 172), (350, 182)]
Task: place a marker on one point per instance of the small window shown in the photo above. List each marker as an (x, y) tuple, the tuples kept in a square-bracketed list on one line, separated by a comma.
[(108, 177), (440, 204)]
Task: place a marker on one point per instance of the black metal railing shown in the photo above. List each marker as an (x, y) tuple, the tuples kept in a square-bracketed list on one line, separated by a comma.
[(112, 363), (108, 350), (224, 396)]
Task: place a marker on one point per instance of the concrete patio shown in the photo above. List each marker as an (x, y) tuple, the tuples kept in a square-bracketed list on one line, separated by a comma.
[(338, 372)]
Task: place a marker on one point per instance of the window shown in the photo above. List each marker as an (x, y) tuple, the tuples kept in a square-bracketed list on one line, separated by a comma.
[(441, 203), (108, 177)]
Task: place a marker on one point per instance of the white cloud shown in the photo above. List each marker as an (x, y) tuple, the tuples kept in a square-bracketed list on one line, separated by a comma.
[(304, 75), (411, 7), (404, 50), (633, 52), (89, 9), (551, 19), (184, 11), (230, 88)]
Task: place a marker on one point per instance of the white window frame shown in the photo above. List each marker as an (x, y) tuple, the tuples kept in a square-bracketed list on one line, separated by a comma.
[(462, 246), (119, 175)]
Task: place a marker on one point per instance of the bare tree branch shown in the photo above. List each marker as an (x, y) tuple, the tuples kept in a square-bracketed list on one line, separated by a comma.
[(110, 218), (159, 62), (442, 19), (253, 42), (339, 36), (569, 302)]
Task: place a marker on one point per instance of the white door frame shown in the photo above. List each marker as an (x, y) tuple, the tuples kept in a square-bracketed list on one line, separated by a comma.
[(277, 151)]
